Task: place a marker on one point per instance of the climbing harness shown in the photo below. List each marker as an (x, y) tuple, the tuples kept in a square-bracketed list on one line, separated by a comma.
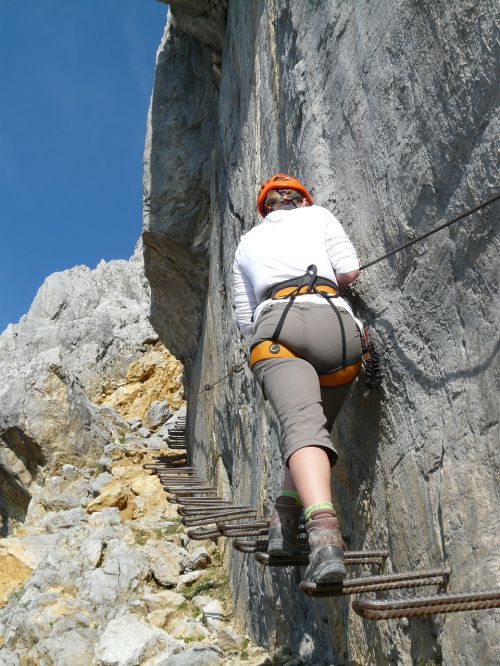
[(373, 375), (309, 283), (269, 349)]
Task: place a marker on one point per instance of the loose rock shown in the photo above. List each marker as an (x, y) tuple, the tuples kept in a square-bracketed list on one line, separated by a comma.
[(188, 628), (200, 559), (112, 495), (196, 656), (186, 580), (128, 641), (99, 482), (157, 414), (229, 640)]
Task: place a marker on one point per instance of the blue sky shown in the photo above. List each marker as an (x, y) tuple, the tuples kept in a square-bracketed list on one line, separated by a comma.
[(75, 82)]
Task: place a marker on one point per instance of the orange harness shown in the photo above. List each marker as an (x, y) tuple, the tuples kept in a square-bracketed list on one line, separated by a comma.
[(270, 349), (290, 289)]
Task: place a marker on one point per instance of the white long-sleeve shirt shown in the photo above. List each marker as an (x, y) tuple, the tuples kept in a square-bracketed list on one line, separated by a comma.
[(282, 247)]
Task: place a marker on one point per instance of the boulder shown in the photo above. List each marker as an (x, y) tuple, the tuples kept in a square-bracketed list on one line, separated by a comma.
[(99, 482), (69, 472), (213, 615), (106, 518), (158, 412), (53, 521), (200, 559), (186, 580), (123, 569), (202, 655), (112, 495), (91, 550), (229, 640), (128, 641), (13, 575), (165, 599), (166, 560), (187, 628)]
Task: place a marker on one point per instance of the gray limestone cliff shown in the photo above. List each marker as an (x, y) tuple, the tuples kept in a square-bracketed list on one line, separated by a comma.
[(389, 112), (84, 328), (95, 567)]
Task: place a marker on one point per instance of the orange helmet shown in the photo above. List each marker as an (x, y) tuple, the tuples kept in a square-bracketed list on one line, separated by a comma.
[(280, 181)]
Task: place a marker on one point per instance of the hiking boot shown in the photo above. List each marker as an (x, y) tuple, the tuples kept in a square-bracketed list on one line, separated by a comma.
[(326, 561), (284, 530)]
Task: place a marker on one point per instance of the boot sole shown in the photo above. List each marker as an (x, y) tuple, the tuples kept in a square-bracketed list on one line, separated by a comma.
[(329, 572)]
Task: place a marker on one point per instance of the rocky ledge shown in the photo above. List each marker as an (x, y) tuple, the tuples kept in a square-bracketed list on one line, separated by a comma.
[(102, 572)]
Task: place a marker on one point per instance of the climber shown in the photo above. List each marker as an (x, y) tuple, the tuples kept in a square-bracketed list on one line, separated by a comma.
[(305, 354)]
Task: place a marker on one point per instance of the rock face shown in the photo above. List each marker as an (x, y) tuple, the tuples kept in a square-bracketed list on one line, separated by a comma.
[(89, 546), (389, 112), (85, 340), (82, 587), (177, 187)]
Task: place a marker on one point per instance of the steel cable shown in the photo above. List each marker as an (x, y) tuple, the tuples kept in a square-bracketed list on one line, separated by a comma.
[(430, 233)]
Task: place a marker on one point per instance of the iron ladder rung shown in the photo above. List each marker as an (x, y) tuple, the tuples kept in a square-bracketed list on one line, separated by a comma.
[(432, 605), (351, 558), (394, 581)]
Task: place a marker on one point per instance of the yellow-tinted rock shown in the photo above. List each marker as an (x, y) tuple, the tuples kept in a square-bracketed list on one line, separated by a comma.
[(156, 375), (13, 575), (166, 600), (112, 494), (158, 618), (139, 483), (61, 607), (146, 486)]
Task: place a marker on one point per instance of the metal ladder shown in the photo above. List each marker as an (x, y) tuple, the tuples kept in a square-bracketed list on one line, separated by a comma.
[(212, 517)]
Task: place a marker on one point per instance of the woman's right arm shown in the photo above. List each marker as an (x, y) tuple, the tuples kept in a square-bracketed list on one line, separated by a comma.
[(341, 252)]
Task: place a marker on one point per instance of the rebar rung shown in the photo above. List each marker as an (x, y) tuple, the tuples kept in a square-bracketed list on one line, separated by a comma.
[(210, 510), (198, 501), (174, 496), (249, 528), (351, 558), (187, 489), (201, 534), (433, 605), (218, 516), (378, 583), (248, 545), (164, 458)]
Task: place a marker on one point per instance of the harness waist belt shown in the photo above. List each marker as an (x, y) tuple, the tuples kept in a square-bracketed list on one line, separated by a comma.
[(310, 283), (286, 291), (272, 349)]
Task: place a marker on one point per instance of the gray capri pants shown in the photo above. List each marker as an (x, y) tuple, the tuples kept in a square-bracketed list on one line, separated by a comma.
[(306, 410)]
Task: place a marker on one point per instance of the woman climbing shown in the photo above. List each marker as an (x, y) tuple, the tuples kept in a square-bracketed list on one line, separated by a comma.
[(305, 354)]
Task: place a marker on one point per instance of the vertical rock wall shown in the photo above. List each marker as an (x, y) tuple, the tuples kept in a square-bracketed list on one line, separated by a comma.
[(83, 330), (389, 112), (182, 124)]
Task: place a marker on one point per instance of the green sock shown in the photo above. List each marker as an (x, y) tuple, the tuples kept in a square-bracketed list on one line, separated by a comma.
[(309, 510), (291, 493)]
